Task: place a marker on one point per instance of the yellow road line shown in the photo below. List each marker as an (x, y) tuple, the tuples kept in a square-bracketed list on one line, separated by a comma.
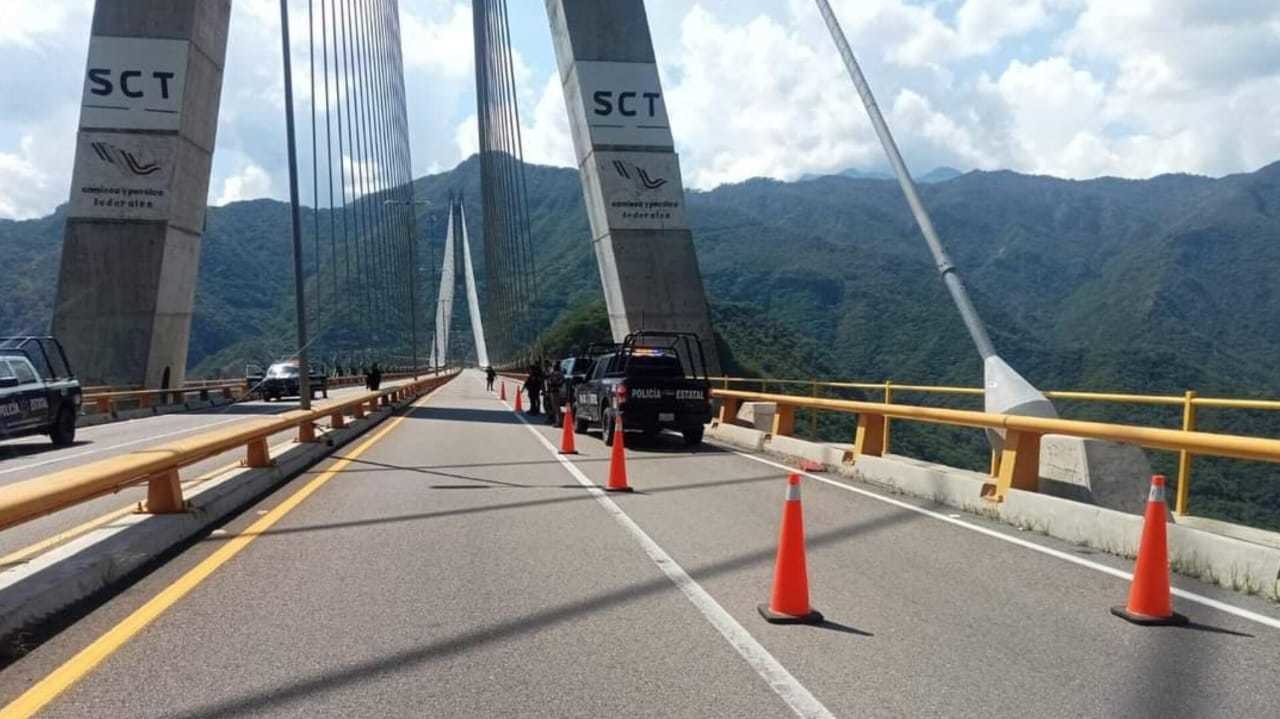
[(77, 667)]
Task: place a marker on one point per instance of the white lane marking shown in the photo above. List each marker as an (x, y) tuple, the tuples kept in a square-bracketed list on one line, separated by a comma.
[(64, 458), (786, 686), (1118, 573)]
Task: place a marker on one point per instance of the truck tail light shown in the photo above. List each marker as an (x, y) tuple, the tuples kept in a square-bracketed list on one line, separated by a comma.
[(620, 393)]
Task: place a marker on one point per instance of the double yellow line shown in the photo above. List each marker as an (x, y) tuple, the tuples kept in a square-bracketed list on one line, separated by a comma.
[(78, 666)]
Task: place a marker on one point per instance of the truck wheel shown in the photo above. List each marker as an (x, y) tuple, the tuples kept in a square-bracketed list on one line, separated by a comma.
[(693, 437), (63, 433), (580, 424), (607, 426)]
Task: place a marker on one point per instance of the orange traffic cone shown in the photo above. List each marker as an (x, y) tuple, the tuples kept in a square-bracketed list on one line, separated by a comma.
[(566, 436), (1150, 601), (789, 602), (502, 391), (519, 403), (618, 462)]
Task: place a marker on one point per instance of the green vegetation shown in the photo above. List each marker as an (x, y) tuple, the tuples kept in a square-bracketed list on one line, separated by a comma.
[(1152, 286)]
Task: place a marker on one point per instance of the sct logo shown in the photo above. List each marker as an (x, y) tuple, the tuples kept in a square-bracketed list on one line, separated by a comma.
[(125, 162), (131, 83), (625, 103)]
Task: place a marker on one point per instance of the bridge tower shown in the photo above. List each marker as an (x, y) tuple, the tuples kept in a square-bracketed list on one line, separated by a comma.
[(629, 168), (131, 250)]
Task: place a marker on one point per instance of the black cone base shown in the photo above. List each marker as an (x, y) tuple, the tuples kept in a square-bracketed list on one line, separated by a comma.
[(1173, 620), (775, 618), (618, 489)]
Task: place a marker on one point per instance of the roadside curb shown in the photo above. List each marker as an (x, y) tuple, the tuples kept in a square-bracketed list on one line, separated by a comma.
[(39, 590)]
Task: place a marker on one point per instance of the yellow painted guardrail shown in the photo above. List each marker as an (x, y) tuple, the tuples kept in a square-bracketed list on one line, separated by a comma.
[(1186, 441), (105, 400), (158, 466)]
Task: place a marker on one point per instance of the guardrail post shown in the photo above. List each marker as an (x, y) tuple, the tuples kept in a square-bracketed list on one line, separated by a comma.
[(358, 410), (258, 454), (204, 395), (307, 432), (784, 420), (1019, 464), (226, 393), (1184, 457), (144, 401), (164, 494), (888, 399), (104, 405), (813, 415), (729, 409), (869, 439), (337, 421)]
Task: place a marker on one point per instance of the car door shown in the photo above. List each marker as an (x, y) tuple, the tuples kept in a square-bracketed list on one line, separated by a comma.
[(11, 414), (33, 395)]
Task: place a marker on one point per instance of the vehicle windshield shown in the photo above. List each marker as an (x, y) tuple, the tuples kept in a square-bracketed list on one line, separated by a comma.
[(283, 370), (653, 365)]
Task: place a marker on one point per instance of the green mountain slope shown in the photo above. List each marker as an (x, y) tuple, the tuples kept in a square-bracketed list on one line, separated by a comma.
[(1140, 286)]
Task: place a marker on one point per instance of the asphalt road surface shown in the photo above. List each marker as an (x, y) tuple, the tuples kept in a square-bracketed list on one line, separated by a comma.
[(450, 564)]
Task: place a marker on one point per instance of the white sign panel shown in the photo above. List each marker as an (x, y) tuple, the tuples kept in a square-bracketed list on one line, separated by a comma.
[(641, 190), (624, 104), (134, 83), (122, 176)]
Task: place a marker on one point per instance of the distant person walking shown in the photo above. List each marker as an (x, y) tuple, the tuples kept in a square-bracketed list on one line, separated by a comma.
[(489, 376), (375, 377)]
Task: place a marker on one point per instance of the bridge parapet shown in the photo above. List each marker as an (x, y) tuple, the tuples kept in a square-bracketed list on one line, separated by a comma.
[(158, 466), (1189, 402), (1018, 464)]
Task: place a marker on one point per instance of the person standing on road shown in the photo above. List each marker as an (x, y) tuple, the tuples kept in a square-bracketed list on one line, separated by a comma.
[(533, 386), (554, 394), (489, 376)]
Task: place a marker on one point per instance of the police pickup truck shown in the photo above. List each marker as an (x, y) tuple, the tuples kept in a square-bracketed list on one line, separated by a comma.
[(38, 393), (654, 381)]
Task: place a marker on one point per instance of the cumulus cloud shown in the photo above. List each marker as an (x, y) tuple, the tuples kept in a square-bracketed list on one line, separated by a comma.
[(252, 181), (1075, 88)]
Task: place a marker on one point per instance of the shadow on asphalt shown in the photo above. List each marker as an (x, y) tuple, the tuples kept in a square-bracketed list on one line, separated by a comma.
[(459, 414), (575, 497), (411, 659), (246, 408), (580, 458), (843, 628), (18, 451)]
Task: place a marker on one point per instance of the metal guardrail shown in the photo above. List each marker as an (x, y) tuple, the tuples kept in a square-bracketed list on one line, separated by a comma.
[(1018, 464), (104, 400), (158, 466)]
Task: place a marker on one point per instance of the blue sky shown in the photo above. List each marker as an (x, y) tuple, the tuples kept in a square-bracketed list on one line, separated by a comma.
[(1074, 88)]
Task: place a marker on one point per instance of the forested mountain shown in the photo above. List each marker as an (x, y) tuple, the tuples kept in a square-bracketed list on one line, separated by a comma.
[(1140, 286)]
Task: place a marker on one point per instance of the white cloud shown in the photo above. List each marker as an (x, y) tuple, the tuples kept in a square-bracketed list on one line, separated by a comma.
[(755, 87), (251, 182), (439, 47)]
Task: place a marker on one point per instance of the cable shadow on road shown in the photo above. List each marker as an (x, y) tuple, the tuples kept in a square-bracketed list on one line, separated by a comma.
[(578, 459), (27, 449), (410, 659), (462, 414), (418, 517)]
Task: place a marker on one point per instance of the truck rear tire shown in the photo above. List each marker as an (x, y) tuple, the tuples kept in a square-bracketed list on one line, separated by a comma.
[(580, 424), (693, 437), (63, 433)]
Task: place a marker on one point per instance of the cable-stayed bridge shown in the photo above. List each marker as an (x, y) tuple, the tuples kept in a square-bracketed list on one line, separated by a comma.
[(418, 544)]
